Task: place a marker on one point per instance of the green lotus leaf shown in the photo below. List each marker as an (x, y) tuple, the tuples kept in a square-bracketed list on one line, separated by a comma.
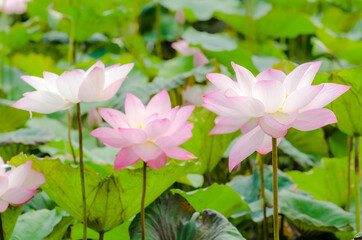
[(348, 107), (204, 10), (312, 217), (248, 187), (35, 225), (202, 144), (111, 200), (12, 118), (23, 140), (172, 217), (331, 178), (221, 198), (212, 42), (279, 23), (9, 218)]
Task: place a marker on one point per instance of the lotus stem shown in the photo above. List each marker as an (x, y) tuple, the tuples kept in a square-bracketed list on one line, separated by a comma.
[(1, 229), (356, 183), (143, 225), (208, 178), (249, 6), (81, 168), (158, 30), (349, 150), (281, 232), (70, 123), (275, 188), (71, 42), (259, 158), (3, 29), (70, 63), (101, 235)]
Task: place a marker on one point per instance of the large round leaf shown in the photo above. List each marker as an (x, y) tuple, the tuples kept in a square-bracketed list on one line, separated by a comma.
[(342, 47), (9, 218), (111, 200), (331, 179), (312, 216), (35, 225), (172, 217), (212, 42), (221, 198), (208, 149), (279, 23), (26, 136), (204, 9), (12, 118), (248, 187), (23, 140), (348, 107)]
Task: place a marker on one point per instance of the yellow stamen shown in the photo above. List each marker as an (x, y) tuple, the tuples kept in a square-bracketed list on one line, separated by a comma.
[(281, 107)]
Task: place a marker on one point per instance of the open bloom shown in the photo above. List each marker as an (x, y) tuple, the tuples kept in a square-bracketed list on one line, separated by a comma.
[(182, 46), (13, 6), (18, 185), (150, 133), (56, 93), (267, 105)]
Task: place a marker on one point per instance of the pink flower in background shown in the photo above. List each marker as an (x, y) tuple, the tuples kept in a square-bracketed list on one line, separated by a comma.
[(13, 6), (56, 93), (93, 118), (151, 133), (193, 95), (182, 46), (267, 105), (180, 16), (18, 185)]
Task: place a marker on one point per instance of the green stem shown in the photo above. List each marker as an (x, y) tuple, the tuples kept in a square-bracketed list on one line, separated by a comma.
[(250, 23), (259, 158), (349, 150), (158, 30), (3, 31), (281, 232), (70, 123), (81, 168), (1, 229), (101, 235), (208, 178), (11, 80), (2, 70), (70, 62), (143, 225), (275, 189), (356, 182), (71, 42)]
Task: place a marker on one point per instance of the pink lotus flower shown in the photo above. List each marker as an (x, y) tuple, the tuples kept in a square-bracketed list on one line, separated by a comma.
[(18, 185), (182, 46), (13, 6), (150, 133), (267, 105), (56, 93)]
